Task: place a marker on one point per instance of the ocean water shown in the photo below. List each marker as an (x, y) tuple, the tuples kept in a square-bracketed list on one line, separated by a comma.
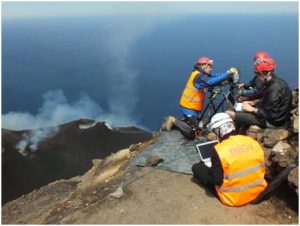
[(134, 67)]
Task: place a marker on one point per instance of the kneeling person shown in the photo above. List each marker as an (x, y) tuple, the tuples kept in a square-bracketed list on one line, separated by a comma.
[(237, 173)]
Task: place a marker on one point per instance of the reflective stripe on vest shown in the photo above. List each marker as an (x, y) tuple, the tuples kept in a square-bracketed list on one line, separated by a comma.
[(244, 172), (242, 188), (242, 160), (192, 88), (192, 98)]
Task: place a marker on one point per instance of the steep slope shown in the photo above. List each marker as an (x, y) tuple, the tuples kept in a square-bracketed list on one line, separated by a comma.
[(67, 154), (144, 196)]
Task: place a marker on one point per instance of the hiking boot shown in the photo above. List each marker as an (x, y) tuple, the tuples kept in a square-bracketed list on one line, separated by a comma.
[(168, 123)]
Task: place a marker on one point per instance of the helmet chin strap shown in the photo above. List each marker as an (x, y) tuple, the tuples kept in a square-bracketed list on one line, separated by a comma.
[(266, 79), (218, 132), (265, 76)]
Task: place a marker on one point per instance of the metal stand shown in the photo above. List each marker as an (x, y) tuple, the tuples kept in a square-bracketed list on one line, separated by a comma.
[(211, 107)]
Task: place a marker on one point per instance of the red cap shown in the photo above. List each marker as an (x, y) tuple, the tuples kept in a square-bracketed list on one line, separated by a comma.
[(205, 60), (260, 56), (267, 64)]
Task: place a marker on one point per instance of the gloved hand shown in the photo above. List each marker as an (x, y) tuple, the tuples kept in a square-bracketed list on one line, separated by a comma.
[(233, 70), (234, 74)]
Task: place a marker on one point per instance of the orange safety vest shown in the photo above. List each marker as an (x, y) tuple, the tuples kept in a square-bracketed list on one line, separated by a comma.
[(192, 98), (244, 169)]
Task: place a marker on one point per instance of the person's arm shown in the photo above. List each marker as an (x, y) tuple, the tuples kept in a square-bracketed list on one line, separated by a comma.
[(200, 81), (203, 81), (216, 171), (249, 106), (251, 83), (271, 103), (217, 78)]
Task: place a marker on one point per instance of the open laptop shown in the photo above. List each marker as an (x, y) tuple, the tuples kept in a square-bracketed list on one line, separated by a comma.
[(205, 150), (232, 101)]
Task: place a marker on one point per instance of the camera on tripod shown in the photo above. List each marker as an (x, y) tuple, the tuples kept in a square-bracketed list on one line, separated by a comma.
[(212, 107)]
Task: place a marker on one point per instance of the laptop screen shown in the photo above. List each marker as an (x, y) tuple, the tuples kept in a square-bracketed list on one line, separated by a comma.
[(231, 99), (205, 149)]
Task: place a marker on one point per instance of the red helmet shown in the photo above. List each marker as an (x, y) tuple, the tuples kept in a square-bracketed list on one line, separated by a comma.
[(267, 64), (259, 56), (205, 60)]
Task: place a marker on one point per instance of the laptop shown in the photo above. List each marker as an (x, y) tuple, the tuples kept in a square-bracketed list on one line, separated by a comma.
[(205, 151), (232, 101)]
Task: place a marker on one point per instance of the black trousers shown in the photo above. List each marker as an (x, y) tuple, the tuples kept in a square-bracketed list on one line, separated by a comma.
[(201, 174), (248, 119), (187, 126)]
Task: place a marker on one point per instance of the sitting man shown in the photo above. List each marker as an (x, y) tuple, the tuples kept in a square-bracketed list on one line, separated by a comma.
[(253, 89), (193, 96), (237, 173), (273, 109)]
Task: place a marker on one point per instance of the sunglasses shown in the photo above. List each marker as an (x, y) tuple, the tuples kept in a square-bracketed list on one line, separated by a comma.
[(262, 73)]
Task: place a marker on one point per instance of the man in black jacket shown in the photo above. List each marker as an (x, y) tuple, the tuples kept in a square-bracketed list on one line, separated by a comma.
[(273, 109)]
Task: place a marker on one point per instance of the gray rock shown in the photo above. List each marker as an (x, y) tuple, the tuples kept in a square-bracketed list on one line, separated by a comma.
[(118, 193), (255, 132), (153, 160), (293, 179), (295, 97), (283, 154), (270, 142), (212, 136), (272, 136), (279, 134), (295, 120), (134, 147)]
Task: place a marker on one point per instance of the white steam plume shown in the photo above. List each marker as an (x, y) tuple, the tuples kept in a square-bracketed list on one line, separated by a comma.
[(123, 34), (57, 110)]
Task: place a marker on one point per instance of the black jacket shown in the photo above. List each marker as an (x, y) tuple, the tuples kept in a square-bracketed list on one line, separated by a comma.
[(276, 102)]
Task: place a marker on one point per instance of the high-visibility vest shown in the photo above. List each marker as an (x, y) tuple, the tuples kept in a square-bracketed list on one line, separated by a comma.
[(242, 160), (192, 98)]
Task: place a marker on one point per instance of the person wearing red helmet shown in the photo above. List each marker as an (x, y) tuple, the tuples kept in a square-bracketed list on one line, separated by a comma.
[(260, 56), (193, 96), (253, 88), (273, 108)]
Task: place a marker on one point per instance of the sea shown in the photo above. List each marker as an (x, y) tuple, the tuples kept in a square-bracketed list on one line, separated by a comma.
[(131, 67)]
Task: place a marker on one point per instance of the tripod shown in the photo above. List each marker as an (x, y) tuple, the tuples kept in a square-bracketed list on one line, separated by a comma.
[(212, 107)]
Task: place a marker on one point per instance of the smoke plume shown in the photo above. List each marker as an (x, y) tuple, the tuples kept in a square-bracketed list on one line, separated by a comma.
[(123, 32), (56, 109)]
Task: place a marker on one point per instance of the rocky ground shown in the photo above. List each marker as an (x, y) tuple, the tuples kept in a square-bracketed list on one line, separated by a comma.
[(114, 193), (68, 153)]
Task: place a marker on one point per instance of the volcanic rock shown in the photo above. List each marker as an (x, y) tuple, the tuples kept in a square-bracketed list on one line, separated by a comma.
[(153, 160), (283, 154), (118, 193), (255, 132), (293, 179), (272, 136), (67, 154)]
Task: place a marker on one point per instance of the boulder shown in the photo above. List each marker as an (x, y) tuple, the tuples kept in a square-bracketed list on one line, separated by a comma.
[(293, 179), (273, 136), (118, 193), (295, 120), (295, 98), (212, 136), (283, 154), (153, 160), (295, 111), (255, 132)]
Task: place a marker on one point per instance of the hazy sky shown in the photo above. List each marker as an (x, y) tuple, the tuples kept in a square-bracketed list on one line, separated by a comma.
[(57, 8)]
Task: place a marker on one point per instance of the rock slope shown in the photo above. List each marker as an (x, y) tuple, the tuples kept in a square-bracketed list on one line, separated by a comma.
[(115, 192)]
